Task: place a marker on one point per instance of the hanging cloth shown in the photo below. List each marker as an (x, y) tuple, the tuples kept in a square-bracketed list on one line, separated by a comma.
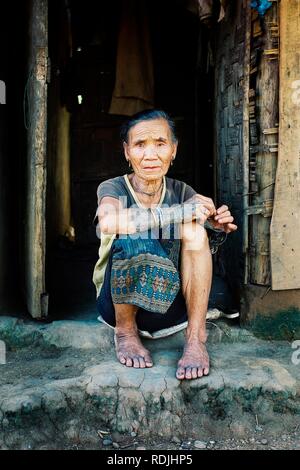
[(134, 86), (205, 9), (261, 6)]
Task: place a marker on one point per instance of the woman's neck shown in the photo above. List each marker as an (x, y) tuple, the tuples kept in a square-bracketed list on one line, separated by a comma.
[(146, 187)]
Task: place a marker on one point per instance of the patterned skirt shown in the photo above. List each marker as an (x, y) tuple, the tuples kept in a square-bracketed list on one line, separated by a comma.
[(144, 272)]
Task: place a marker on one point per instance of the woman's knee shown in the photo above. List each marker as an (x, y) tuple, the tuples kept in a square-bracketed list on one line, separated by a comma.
[(194, 236)]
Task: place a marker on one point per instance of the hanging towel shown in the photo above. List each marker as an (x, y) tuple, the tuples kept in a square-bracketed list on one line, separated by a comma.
[(134, 85)]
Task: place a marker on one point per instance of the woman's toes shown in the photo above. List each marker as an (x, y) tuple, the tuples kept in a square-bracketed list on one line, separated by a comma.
[(142, 364), (148, 361), (136, 362), (188, 372), (206, 371), (128, 362), (180, 373), (194, 372), (149, 364), (200, 371), (122, 359)]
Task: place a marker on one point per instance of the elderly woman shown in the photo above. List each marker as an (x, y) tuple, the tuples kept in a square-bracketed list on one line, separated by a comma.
[(154, 272)]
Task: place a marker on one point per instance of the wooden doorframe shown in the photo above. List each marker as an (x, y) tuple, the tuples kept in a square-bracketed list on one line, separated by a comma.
[(285, 226), (35, 226)]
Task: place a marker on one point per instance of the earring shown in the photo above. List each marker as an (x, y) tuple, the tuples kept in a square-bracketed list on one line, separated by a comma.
[(129, 164), (172, 161)]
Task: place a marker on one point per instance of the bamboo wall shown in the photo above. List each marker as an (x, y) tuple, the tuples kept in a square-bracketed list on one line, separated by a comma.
[(247, 87)]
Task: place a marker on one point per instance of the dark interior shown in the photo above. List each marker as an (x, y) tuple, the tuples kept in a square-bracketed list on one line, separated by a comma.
[(13, 51)]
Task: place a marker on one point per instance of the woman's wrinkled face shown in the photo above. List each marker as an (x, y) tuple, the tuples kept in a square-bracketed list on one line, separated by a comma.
[(150, 148)]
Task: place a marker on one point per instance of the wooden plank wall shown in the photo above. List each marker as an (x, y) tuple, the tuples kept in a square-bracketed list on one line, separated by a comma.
[(285, 226)]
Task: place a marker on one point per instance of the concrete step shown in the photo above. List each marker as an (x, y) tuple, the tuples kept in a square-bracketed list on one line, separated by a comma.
[(67, 384)]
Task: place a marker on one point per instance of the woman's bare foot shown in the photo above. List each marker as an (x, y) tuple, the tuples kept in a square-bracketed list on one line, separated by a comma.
[(194, 362), (130, 350)]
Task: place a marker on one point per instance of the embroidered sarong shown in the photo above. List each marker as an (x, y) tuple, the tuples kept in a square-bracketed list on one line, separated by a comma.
[(145, 272)]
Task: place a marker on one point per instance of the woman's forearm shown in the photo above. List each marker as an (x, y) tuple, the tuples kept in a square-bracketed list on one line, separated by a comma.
[(135, 219)]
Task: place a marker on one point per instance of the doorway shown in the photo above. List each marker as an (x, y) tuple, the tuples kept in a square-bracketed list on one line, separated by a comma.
[(84, 148)]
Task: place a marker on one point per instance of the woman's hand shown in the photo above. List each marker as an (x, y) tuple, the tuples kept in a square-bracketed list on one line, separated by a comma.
[(205, 202), (222, 220), (204, 207)]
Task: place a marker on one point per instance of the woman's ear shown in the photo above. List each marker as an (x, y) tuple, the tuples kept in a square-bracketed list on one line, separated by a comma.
[(125, 148), (175, 145)]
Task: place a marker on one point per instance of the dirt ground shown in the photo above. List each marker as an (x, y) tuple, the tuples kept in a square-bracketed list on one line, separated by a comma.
[(259, 441)]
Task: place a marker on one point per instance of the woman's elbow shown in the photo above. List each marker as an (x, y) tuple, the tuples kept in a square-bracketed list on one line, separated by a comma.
[(106, 225)]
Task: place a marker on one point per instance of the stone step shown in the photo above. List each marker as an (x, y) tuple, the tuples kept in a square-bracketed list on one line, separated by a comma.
[(88, 335), (65, 394)]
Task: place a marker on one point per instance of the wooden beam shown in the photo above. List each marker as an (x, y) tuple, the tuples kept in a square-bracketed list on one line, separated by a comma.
[(285, 226)]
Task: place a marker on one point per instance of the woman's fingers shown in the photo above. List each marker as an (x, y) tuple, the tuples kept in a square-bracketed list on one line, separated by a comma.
[(230, 228), (222, 209), (223, 215), (225, 220), (207, 202), (206, 209), (202, 212), (204, 198), (211, 208)]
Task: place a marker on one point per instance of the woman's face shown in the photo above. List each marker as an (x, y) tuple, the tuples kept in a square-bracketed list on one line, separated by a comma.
[(150, 149)]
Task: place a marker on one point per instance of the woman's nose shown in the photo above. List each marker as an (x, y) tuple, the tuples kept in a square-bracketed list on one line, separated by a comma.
[(150, 151)]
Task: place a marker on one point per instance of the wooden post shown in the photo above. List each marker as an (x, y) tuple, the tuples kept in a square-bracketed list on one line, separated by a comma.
[(285, 228), (263, 166), (37, 299)]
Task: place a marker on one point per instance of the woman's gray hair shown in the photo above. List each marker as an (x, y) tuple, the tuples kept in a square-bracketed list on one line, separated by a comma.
[(147, 115)]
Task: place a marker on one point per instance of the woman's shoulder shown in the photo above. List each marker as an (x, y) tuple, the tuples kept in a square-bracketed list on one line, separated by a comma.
[(179, 189), (112, 187), (175, 190), (113, 181), (175, 185)]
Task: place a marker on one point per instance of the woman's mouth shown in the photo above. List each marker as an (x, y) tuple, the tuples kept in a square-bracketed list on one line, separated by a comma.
[(152, 168)]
